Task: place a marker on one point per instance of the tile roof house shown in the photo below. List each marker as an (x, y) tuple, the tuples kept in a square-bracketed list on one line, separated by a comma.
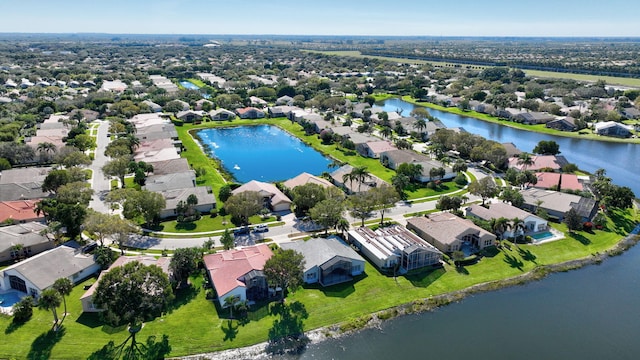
[(19, 211), (394, 246), (273, 198), (512, 150), (38, 273), (87, 298), (239, 272), (556, 204), (28, 235), (450, 233), (204, 194), (306, 178), (181, 180), (23, 183), (250, 113), (558, 181), (553, 162), (327, 261), (532, 223), (171, 166)]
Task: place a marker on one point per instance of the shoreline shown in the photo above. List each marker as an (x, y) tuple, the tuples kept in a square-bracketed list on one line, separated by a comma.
[(374, 320), (494, 120)]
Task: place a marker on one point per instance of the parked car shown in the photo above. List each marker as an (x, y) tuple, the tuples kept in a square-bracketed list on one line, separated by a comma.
[(242, 231), (261, 228)]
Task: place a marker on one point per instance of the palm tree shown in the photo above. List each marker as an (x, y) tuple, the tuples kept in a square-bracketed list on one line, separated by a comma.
[(349, 177), (64, 287), (499, 226), (420, 125), (231, 301), (360, 174), (386, 132), (50, 300), (46, 148), (525, 159), (518, 224), (343, 226)]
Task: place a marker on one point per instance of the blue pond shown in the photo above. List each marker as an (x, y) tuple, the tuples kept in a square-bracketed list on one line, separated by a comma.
[(189, 85), (262, 152)]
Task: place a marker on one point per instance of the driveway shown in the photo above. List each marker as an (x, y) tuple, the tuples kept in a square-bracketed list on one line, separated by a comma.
[(99, 183)]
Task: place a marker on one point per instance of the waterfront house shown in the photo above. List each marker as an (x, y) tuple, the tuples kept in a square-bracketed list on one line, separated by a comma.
[(87, 298), (563, 124), (450, 233), (531, 223), (239, 272), (327, 261), (612, 128), (281, 111), (393, 158), (38, 273), (557, 204), (178, 180), (533, 118), (190, 115), (394, 247), (222, 114), (373, 149), (306, 178), (540, 162), (558, 181), (274, 199), (250, 113)]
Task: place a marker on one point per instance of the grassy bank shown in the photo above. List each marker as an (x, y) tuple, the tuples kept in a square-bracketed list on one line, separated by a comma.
[(541, 128), (196, 325)]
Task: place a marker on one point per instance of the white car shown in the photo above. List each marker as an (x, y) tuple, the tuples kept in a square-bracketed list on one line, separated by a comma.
[(261, 228)]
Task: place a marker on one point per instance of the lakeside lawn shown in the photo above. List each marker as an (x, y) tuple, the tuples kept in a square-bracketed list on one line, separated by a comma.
[(195, 325)]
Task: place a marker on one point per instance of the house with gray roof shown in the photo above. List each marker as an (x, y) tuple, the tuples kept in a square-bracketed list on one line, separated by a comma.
[(450, 233), (153, 106), (612, 128), (355, 186), (531, 222), (170, 166), (566, 123), (29, 238), (204, 194), (157, 131), (38, 273), (557, 204), (171, 181), (394, 246), (23, 183), (190, 115), (327, 261), (393, 158), (533, 118), (222, 114)]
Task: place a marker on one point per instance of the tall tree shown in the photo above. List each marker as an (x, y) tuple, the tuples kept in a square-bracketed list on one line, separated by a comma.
[(227, 239), (184, 262), (327, 213), (362, 205), (307, 196), (285, 269), (525, 160), (485, 188), (547, 147), (50, 300), (118, 167), (573, 220), (244, 205), (64, 287), (385, 197), (133, 292)]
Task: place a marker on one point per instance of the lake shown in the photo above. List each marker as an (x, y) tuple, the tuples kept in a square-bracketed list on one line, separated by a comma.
[(589, 313), (262, 152), (619, 159)]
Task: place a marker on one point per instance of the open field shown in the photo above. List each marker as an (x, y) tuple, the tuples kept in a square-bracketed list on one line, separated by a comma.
[(207, 328), (631, 82)]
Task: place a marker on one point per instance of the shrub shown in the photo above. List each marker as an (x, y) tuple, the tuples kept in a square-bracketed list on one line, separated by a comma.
[(23, 309), (460, 180)]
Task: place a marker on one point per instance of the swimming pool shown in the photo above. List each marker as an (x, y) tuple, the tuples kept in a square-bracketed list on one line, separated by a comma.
[(537, 237), (9, 299)]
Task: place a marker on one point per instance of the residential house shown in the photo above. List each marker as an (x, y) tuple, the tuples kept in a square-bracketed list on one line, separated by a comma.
[(222, 114), (533, 118), (540, 162), (38, 273), (200, 103), (284, 100), (373, 149), (190, 115), (355, 186), (162, 82), (204, 194), (185, 105), (23, 183), (612, 128), (28, 236), (306, 178), (153, 106), (512, 150), (181, 180), (427, 165), (393, 158), (113, 86), (566, 123), (87, 298), (239, 272), (87, 115), (394, 247), (359, 139), (558, 181), (531, 223), (257, 101), (157, 132), (281, 111), (250, 113), (171, 166), (343, 131), (557, 204), (508, 113), (631, 113), (450, 233), (274, 199), (327, 261), (19, 211)]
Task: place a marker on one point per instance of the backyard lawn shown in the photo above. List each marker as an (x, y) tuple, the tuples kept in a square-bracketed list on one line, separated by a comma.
[(194, 324)]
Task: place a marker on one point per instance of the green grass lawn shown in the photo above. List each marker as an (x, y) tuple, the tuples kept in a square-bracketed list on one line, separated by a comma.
[(207, 223), (194, 325)]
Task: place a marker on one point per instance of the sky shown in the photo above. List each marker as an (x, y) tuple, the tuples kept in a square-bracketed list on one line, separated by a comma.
[(571, 18)]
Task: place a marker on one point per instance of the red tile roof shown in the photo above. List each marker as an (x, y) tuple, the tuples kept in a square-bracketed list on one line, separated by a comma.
[(19, 210), (547, 180), (226, 267)]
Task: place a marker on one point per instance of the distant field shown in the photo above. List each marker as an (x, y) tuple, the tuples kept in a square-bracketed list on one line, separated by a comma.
[(535, 73)]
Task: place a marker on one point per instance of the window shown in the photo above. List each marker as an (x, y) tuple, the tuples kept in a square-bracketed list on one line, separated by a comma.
[(17, 283), (311, 275)]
